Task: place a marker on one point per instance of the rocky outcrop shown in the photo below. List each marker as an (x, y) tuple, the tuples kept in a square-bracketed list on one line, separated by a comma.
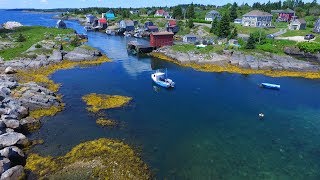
[(16, 100), (16, 172), (13, 138), (80, 54), (246, 61), (9, 70), (296, 52)]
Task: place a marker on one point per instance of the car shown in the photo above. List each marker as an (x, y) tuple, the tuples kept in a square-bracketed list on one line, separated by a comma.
[(308, 36), (270, 36)]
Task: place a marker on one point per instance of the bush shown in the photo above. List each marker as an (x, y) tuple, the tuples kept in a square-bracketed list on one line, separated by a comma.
[(311, 47), (38, 46), (201, 21), (75, 42), (21, 38)]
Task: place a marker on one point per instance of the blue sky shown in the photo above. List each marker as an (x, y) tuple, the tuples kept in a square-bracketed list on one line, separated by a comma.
[(9, 4)]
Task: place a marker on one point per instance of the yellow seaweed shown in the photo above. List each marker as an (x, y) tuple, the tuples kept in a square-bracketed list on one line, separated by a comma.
[(41, 75), (105, 122), (51, 111), (235, 69), (98, 102), (102, 159)]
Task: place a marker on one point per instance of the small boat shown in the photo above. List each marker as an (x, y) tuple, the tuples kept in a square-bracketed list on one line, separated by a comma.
[(159, 78), (88, 28), (270, 86), (137, 35)]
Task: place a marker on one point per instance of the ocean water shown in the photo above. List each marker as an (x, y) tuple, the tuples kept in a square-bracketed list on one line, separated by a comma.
[(205, 128)]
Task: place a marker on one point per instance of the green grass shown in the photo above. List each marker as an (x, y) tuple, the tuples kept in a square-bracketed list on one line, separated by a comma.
[(248, 30), (275, 46), (33, 35), (192, 48), (298, 32)]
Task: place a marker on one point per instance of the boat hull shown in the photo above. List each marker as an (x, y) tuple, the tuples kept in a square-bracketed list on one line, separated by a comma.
[(270, 86), (161, 83)]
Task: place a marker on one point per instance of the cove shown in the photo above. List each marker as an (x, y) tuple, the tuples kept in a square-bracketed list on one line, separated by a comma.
[(205, 128)]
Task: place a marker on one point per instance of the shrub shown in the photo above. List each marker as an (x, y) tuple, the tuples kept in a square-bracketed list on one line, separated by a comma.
[(311, 47), (21, 38), (38, 46), (75, 42)]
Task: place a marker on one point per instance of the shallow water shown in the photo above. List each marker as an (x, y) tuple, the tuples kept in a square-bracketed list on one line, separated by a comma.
[(205, 128)]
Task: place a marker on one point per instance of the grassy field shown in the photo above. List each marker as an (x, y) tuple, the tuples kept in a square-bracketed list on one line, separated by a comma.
[(33, 34), (248, 30), (297, 32), (275, 46)]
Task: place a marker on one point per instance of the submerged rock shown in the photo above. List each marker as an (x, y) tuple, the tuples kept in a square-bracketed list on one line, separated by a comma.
[(30, 124)]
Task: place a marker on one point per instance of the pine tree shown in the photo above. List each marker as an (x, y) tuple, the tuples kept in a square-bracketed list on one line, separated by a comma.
[(251, 42), (224, 26), (234, 33), (190, 23), (233, 11), (190, 12), (214, 26), (177, 12)]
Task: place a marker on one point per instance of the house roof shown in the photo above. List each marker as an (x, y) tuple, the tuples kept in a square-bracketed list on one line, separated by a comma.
[(257, 13), (162, 33), (103, 20), (302, 21), (128, 22), (190, 35), (317, 23), (282, 11), (172, 22), (160, 11), (90, 16), (213, 12), (152, 27)]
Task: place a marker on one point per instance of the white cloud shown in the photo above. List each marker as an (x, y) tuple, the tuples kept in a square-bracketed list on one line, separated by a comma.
[(44, 1)]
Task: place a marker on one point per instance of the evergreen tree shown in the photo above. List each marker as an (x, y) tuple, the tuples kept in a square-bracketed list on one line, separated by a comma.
[(251, 42), (190, 12), (190, 23), (233, 12), (224, 26), (214, 26), (177, 12), (234, 33)]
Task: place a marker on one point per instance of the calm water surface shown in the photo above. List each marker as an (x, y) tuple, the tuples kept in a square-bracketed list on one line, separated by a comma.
[(205, 128)]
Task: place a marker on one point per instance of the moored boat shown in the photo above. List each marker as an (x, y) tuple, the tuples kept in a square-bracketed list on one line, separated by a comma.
[(160, 79), (270, 86)]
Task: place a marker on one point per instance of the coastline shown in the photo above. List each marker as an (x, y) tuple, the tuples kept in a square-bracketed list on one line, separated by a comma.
[(241, 64), (27, 94)]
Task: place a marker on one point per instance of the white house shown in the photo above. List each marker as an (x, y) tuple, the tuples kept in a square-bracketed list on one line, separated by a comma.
[(257, 18), (212, 15)]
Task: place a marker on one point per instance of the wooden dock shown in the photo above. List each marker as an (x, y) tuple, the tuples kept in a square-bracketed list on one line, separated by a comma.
[(139, 48)]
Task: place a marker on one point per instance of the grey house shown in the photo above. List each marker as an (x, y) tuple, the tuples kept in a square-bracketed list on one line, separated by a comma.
[(212, 15), (257, 18), (127, 25), (298, 24), (189, 38), (90, 18), (316, 28)]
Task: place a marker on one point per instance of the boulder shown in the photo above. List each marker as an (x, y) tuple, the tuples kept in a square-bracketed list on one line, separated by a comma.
[(12, 123), (16, 172), (30, 124), (9, 70), (14, 154), (5, 164), (55, 57), (12, 138)]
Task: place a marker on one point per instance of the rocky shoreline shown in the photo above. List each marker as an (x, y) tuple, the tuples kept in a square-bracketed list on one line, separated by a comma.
[(247, 61), (19, 99)]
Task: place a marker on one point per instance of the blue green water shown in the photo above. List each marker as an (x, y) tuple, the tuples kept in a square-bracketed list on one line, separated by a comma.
[(205, 128)]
